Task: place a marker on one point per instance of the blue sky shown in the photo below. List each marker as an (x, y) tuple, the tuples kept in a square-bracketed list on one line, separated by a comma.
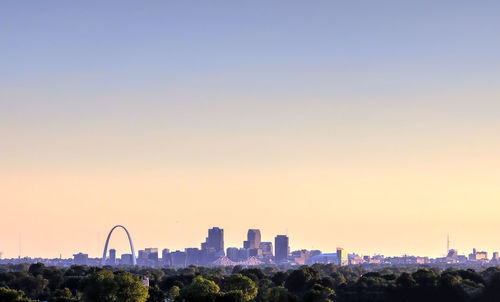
[(248, 46)]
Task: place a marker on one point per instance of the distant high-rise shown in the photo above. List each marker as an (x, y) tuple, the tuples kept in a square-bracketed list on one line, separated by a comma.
[(193, 256), (152, 254), (232, 253), (148, 256), (253, 239), (478, 255), (215, 240), (243, 254), (267, 249), (142, 255), (112, 257), (126, 259), (342, 256), (178, 258), (281, 248), (495, 260), (255, 253), (166, 258), (80, 259)]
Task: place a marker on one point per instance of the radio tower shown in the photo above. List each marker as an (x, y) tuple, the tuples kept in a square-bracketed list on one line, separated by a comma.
[(448, 244)]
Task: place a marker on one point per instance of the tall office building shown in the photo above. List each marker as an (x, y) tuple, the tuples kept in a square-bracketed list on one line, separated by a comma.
[(281, 248), (166, 258), (193, 256), (342, 257), (152, 254), (148, 256), (215, 240), (112, 257), (232, 254), (80, 259), (243, 254), (126, 259), (267, 249), (178, 258), (253, 239), (142, 255)]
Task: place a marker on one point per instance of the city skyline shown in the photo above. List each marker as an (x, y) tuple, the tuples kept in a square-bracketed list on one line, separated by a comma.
[(371, 125), (216, 239), (254, 252)]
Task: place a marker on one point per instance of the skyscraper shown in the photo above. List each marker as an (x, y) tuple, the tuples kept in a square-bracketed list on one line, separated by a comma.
[(193, 256), (148, 256), (232, 253), (253, 239), (267, 249), (243, 254), (215, 240), (152, 254), (112, 257), (166, 258), (342, 256), (281, 248), (126, 259), (142, 255), (178, 258)]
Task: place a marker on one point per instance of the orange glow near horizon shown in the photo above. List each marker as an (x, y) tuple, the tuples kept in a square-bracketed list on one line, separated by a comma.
[(368, 202)]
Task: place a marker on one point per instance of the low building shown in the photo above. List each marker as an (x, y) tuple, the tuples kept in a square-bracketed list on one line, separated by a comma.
[(325, 258)]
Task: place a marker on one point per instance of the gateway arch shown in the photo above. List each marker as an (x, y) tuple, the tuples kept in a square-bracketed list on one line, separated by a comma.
[(134, 260)]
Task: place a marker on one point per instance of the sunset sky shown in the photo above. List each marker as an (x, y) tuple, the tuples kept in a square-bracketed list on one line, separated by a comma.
[(369, 125)]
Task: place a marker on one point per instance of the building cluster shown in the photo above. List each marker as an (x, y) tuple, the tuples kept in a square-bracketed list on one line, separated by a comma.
[(476, 257), (254, 251)]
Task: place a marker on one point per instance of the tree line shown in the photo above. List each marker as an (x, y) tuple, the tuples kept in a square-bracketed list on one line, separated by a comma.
[(316, 283)]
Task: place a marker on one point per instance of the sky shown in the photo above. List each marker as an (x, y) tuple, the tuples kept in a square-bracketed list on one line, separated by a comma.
[(368, 125)]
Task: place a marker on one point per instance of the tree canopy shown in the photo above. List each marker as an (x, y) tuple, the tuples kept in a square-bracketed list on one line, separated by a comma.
[(316, 283)]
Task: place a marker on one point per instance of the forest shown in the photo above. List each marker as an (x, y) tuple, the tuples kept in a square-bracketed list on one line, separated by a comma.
[(319, 282)]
